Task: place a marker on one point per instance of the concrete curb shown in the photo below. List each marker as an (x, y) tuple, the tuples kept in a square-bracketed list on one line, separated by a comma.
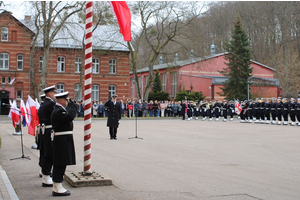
[(6, 189)]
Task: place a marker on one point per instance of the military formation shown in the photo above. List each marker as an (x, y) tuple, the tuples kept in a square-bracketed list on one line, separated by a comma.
[(264, 111), (55, 138)]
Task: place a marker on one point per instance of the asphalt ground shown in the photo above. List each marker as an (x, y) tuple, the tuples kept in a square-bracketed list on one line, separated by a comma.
[(176, 159)]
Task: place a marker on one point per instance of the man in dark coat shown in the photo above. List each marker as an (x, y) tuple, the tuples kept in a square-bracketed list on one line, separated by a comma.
[(63, 145), (114, 115), (183, 107), (46, 144)]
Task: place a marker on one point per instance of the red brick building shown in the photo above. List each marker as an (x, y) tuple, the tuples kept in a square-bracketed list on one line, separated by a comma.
[(110, 61), (203, 75)]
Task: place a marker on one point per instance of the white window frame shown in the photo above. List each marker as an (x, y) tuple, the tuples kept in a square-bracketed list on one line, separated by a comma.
[(77, 90), (4, 61), (41, 63), (112, 90), (19, 94), (174, 79), (60, 88), (78, 64), (112, 66), (164, 82), (3, 80), (61, 64), (96, 65), (95, 92), (4, 34), (20, 61)]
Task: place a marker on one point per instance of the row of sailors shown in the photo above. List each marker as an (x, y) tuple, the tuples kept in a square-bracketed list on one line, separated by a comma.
[(259, 111)]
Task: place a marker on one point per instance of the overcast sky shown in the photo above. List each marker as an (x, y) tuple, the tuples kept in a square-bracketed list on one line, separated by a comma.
[(17, 8)]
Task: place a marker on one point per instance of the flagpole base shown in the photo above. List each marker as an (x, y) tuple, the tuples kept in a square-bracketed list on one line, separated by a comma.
[(82, 180), (17, 133)]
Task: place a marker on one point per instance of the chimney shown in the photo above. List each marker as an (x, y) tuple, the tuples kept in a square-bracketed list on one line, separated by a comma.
[(27, 17), (192, 54), (212, 49), (176, 57), (160, 60)]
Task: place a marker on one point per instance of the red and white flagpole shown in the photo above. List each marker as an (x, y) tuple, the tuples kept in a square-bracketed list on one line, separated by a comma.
[(88, 86)]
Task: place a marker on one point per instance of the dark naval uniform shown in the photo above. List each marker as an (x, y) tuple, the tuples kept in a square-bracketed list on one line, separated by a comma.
[(63, 144), (46, 144), (183, 107), (114, 115), (297, 112), (225, 108), (39, 137)]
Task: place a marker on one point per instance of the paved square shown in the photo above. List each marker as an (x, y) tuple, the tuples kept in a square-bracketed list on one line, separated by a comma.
[(175, 160)]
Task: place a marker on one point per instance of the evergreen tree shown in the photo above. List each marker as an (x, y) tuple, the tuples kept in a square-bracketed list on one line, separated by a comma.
[(239, 70), (157, 86)]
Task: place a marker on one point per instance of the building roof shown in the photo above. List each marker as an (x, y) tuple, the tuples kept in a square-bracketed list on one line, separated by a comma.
[(219, 80), (70, 36), (175, 64), (5, 12)]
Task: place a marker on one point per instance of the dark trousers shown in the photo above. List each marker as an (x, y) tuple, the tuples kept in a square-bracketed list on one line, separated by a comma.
[(113, 132), (292, 116), (274, 115), (267, 114), (58, 173), (225, 114), (285, 117), (298, 117), (183, 116), (262, 115), (250, 115), (279, 116), (46, 165)]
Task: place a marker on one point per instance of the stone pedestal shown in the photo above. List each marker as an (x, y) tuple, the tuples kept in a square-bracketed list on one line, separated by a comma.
[(80, 180)]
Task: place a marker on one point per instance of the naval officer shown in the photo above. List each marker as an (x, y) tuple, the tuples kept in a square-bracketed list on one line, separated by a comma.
[(114, 115), (63, 145)]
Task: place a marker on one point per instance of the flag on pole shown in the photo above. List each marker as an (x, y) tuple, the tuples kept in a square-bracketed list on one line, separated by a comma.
[(14, 113), (32, 108), (24, 113), (123, 16), (238, 108), (12, 81)]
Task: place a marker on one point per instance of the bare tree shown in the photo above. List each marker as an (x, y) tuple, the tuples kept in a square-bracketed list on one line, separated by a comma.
[(161, 22), (51, 17)]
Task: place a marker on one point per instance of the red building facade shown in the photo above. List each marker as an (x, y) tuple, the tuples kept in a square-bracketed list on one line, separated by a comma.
[(202, 74), (110, 62)]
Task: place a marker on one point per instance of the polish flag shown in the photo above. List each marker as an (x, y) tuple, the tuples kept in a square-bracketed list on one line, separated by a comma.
[(123, 16), (24, 113), (37, 107), (32, 124), (14, 113)]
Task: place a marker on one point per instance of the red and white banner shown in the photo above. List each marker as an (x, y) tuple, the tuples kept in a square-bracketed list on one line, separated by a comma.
[(31, 106), (238, 108), (123, 16), (14, 113)]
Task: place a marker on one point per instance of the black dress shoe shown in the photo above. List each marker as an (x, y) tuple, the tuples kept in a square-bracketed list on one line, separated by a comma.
[(115, 138), (67, 193), (47, 185)]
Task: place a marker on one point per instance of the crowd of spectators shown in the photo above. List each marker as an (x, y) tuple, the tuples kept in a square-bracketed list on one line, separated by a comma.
[(136, 109)]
